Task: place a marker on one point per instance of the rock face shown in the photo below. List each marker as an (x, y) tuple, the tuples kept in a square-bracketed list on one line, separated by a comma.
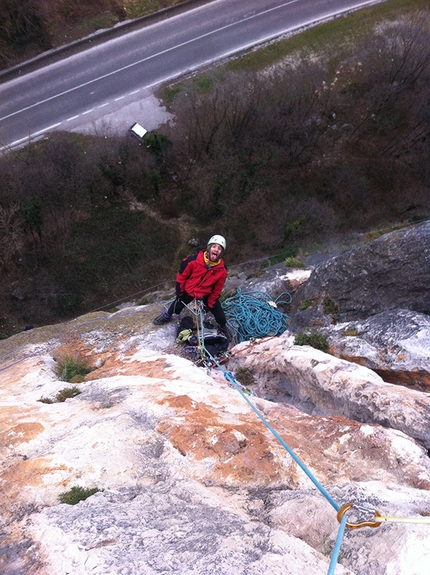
[(390, 272), (235, 470), (321, 384), (395, 344), (190, 479)]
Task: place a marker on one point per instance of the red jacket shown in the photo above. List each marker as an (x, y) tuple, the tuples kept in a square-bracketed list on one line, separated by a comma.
[(198, 279)]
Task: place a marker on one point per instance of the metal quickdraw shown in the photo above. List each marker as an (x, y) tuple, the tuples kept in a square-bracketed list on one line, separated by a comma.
[(360, 524)]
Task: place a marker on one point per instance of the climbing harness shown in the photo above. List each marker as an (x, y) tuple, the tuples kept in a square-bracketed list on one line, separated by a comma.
[(201, 346), (377, 519)]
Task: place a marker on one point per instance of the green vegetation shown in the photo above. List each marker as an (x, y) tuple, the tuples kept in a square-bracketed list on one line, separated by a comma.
[(245, 376), (47, 400), (61, 396), (280, 256), (72, 369), (351, 332), (313, 338), (67, 393), (305, 304), (309, 138), (76, 494), (329, 307), (291, 262)]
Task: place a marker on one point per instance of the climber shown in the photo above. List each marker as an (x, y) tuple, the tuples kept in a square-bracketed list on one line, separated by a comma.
[(201, 276)]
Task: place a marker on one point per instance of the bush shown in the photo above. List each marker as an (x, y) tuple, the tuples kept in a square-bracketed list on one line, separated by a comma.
[(47, 400), (66, 393), (71, 369), (76, 494), (329, 307), (281, 256), (351, 332), (313, 338), (291, 262), (305, 304)]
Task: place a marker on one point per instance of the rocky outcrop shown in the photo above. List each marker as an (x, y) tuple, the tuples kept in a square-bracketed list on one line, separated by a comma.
[(390, 272), (319, 383), (190, 480), (189, 465), (395, 344), (274, 280)]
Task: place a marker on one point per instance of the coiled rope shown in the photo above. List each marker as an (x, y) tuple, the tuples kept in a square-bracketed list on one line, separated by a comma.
[(253, 315)]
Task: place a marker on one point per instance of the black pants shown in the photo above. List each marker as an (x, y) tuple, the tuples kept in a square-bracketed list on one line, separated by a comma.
[(178, 305)]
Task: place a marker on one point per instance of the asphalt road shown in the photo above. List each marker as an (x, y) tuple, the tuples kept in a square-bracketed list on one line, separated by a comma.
[(102, 80)]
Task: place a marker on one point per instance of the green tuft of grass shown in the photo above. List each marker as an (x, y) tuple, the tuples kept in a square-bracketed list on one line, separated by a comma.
[(305, 304), (67, 393), (292, 262), (351, 332), (46, 400), (280, 256), (329, 307), (76, 494), (245, 376), (313, 338), (71, 369)]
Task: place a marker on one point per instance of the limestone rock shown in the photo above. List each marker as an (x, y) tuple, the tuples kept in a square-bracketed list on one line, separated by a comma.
[(395, 344), (190, 478), (321, 384), (390, 272), (196, 476), (274, 280)]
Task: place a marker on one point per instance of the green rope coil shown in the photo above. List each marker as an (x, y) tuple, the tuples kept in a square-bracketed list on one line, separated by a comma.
[(255, 315)]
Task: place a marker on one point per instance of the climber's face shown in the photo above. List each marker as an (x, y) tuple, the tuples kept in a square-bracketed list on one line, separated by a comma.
[(214, 252)]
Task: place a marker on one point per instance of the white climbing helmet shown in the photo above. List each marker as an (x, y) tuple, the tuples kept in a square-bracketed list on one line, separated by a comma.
[(220, 240)]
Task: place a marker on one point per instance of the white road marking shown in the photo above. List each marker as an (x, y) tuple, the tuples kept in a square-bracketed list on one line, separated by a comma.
[(166, 51), (42, 131)]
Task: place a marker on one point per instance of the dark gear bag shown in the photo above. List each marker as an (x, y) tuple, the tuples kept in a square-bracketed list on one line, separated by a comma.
[(185, 329), (186, 322), (216, 344)]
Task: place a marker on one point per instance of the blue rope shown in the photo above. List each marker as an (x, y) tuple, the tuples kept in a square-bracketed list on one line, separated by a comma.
[(337, 545), (255, 315), (230, 377)]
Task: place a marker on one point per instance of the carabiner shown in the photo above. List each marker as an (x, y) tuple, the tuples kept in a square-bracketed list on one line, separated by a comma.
[(348, 506)]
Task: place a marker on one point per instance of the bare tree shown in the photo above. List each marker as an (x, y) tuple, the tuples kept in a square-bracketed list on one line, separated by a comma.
[(11, 235), (23, 22)]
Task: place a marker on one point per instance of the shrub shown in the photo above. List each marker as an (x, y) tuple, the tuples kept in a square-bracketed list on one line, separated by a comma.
[(76, 494), (67, 393), (293, 228), (71, 369), (245, 376), (280, 256), (291, 262), (313, 338), (46, 400), (351, 332), (329, 307), (305, 304)]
